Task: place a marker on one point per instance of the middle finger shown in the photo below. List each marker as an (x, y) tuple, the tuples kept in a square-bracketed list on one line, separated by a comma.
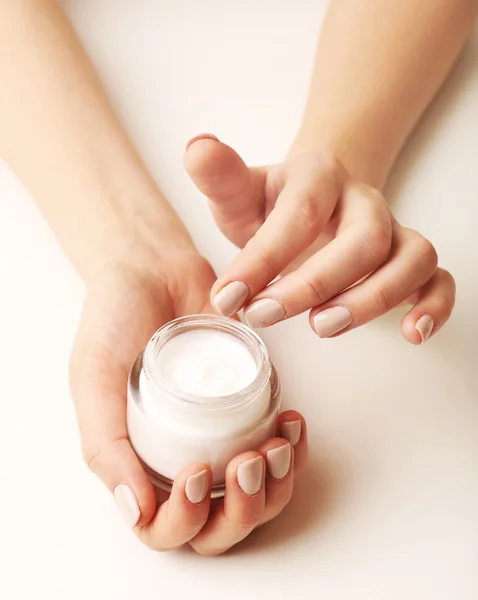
[(360, 247)]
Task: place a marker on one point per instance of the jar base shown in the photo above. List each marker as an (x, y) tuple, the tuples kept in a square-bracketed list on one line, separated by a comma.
[(166, 485)]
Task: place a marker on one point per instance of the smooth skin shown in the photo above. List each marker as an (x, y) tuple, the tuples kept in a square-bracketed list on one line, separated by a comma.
[(378, 65), (60, 135), (139, 265)]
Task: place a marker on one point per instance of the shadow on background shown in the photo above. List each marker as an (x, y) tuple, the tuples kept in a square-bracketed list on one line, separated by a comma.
[(311, 504)]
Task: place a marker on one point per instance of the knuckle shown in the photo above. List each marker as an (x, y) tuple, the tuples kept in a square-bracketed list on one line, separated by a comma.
[(246, 524), (448, 305), (318, 290), (329, 161), (307, 209), (448, 280), (425, 251), (94, 460), (99, 457), (448, 292), (189, 530), (244, 521), (378, 240), (375, 195), (91, 457), (268, 266), (381, 301)]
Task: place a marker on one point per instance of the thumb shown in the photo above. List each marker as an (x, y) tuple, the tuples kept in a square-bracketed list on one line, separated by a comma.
[(98, 384), (235, 191)]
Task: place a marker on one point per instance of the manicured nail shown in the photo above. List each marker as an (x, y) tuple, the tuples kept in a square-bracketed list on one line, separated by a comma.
[(331, 321), (202, 136), (249, 475), (127, 504), (290, 431), (231, 298), (264, 312), (197, 486), (424, 326), (278, 461)]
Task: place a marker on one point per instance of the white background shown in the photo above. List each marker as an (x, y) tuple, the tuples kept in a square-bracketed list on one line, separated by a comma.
[(389, 507)]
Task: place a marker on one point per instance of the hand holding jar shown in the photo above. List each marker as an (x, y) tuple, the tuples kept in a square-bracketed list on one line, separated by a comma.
[(141, 269), (124, 307)]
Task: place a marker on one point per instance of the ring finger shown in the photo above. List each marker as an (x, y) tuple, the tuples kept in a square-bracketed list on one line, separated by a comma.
[(412, 263)]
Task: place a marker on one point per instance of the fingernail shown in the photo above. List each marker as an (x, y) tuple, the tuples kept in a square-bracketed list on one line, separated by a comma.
[(264, 312), (278, 461), (231, 298), (331, 321), (202, 136), (424, 326), (290, 430), (197, 487), (249, 475), (127, 504)]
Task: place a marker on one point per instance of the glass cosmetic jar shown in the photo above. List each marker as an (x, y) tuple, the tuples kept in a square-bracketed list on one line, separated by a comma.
[(203, 390)]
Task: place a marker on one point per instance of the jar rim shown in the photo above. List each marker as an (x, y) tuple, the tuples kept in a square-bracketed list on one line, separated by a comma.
[(220, 323)]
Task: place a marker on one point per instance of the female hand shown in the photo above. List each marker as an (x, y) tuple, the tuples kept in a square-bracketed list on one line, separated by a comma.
[(123, 308), (275, 214)]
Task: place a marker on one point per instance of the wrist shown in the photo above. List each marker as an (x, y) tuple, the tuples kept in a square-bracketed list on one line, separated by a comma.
[(139, 235), (363, 153)]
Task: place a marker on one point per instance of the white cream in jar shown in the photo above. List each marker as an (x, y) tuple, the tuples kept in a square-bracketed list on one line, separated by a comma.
[(203, 390)]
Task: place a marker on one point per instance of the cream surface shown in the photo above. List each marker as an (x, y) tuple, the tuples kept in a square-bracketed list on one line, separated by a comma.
[(206, 363), (168, 432)]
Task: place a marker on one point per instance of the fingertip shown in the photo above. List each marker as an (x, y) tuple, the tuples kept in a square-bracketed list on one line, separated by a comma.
[(245, 474), (136, 500), (145, 494), (291, 426), (193, 484), (288, 429), (121, 471), (290, 415), (183, 514), (279, 455), (206, 157), (199, 157), (417, 328), (216, 169), (201, 136), (230, 298), (127, 504)]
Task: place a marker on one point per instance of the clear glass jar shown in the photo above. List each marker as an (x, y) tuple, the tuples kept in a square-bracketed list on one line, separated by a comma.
[(170, 429)]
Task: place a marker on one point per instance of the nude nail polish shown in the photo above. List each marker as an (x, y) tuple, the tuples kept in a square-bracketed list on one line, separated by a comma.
[(290, 431), (264, 312), (201, 136), (231, 298), (249, 475), (197, 486), (424, 326), (127, 504), (331, 321), (278, 461)]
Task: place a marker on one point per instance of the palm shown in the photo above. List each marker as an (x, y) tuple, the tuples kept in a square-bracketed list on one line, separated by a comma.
[(122, 310)]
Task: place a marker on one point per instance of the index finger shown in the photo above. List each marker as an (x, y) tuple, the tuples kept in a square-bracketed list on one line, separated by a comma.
[(305, 204)]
